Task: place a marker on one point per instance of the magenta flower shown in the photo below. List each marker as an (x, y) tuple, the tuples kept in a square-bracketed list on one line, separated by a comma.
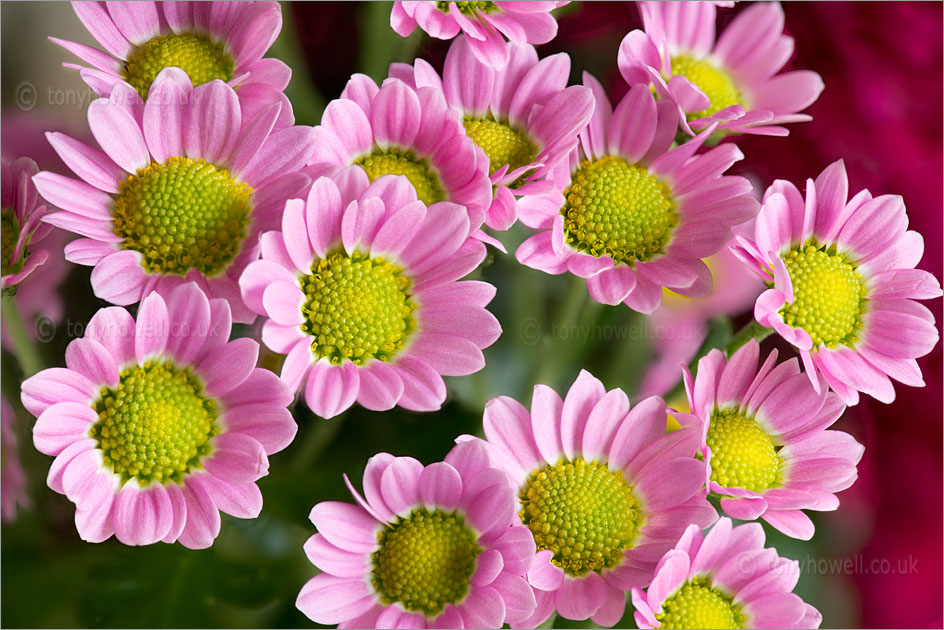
[(486, 24), (843, 284), (637, 216), (765, 440), (13, 491), (724, 579), (395, 130), (207, 40), (523, 116), (602, 488), (731, 82), (180, 193), (21, 220), (158, 423), (426, 547), (360, 291)]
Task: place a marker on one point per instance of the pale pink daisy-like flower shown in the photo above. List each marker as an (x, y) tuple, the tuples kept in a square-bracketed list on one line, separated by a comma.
[(12, 476), (159, 422), (765, 440), (680, 325), (638, 216), (360, 291), (724, 579), (602, 488), (207, 40), (181, 191), (733, 82), (843, 284), (396, 130), (523, 116), (426, 547), (486, 24), (21, 222)]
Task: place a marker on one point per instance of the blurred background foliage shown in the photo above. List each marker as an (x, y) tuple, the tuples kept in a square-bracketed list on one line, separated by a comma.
[(881, 111)]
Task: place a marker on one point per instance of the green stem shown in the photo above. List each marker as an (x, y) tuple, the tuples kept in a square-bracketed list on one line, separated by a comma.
[(753, 330), (23, 348), (563, 320), (318, 436)]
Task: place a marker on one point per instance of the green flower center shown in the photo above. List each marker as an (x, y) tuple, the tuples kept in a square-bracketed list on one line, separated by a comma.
[(394, 161), (714, 82), (156, 424), (425, 561), (202, 58), (183, 214), (10, 232), (502, 143), (618, 209), (468, 8), (828, 296), (583, 512), (743, 455), (698, 605), (357, 308)]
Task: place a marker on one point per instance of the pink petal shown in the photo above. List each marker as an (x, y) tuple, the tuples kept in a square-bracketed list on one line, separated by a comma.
[(582, 397), (423, 387), (400, 484), (337, 562), (89, 163), (507, 424), (332, 389), (56, 385), (346, 526), (119, 134), (119, 277), (483, 608), (328, 599), (239, 500), (237, 458), (270, 425), (143, 516), (203, 518), (440, 486)]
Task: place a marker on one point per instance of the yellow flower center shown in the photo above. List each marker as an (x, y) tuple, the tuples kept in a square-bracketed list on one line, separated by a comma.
[(357, 308), (699, 605), (502, 143), (10, 232), (743, 455), (828, 296), (425, 561), (714, 82), (156, 424), (618, 209), (202, 58), (468, 8), (182, 214), (583, 512), (394, 161)]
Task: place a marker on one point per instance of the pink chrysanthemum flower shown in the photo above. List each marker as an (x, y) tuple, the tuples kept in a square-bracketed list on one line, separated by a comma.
[(724, 579), (843, 284), (486, 24), (764, 438), (21, 222), (180, 193), (396, 130), (207, 40), (524, 117), (13, 494), (731, 82), (427, 547), (637, 216), (361, 294), (602, 488), (158, 423)]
